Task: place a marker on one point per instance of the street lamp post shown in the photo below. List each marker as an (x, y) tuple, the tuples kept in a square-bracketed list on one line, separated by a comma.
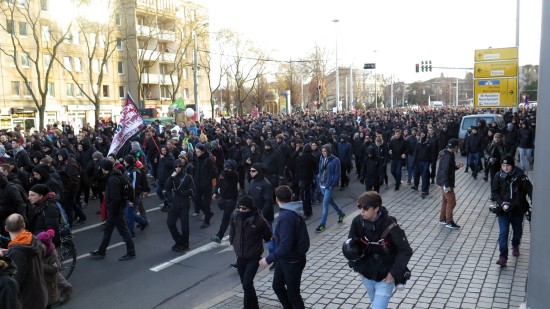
[(195, 76), (335, 21)]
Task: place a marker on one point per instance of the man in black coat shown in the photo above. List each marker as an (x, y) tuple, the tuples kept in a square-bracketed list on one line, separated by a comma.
[(114, 192), (306, 167)]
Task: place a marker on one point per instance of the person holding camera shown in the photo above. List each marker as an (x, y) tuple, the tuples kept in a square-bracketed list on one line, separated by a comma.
[(180, 189), (510, 189), (385, 250)]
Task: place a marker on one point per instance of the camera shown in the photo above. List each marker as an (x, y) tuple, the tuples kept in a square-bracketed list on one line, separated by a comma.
[(400, 283)]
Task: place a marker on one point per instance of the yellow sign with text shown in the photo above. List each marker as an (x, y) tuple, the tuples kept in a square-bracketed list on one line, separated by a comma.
[(496, 69), (496, 92), (495, 54)]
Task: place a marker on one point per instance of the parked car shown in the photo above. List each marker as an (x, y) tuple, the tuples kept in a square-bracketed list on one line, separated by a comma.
[(473, 120)]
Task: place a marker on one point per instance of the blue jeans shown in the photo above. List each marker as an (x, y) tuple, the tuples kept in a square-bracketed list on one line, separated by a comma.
[(132, 217), (473, 160), (525, 156), (396, 166), (504, 223), (410, 167), (328, 200), (423, 169), (379, 293)]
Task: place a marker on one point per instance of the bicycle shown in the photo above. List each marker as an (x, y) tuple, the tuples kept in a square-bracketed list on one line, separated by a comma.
[(67, 256)]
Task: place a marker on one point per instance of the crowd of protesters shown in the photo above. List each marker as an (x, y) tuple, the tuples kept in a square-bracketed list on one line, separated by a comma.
[(191, 163)]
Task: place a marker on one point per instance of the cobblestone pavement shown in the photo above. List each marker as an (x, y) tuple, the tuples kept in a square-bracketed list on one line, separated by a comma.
[(450, 268)]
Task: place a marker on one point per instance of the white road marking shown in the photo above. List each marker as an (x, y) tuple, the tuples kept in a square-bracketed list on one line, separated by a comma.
[(87, 254), (89, 227)]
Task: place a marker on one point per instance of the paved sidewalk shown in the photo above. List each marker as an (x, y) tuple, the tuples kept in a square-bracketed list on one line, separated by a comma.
[(450, 268)]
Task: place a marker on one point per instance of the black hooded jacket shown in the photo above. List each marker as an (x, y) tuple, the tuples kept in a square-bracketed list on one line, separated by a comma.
[(46, 179), (376, 264), (9, 291), (262, 192)]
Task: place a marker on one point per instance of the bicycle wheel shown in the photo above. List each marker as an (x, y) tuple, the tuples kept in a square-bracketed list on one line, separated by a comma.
[(67, 256)]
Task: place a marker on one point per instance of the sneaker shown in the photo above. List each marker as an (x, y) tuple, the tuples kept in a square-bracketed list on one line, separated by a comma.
[(502, 261), (143, 226), (205, 225), (433, 181), (442, 221), (127, 257), (452, 225), (341, 218), (414, 187), (320, 229), (234, 265), (97, 254), (217, 239), (515, 251), (179, 248)]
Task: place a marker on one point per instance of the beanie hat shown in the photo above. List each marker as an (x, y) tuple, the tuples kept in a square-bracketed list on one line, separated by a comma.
[(200, 147), (229, 164), (46, 238), (214, 144), (40, 189), (130, 160), (106, 165), (247, 201), (307, 148), (63, 153), (453, 142), (97, 156), (508, 159)]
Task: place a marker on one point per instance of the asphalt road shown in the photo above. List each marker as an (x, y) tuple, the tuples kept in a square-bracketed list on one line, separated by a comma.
[(158, 275)]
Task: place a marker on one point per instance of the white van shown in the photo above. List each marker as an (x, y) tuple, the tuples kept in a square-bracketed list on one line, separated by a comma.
[(473, 120)]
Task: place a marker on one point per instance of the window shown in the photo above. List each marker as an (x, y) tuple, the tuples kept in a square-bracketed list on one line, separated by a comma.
[(77, 64), (76, 37), (27, 89), (15, 88), (22, 28), (121, 91), (185, 74), (44, 5), (95, 66), (102, 40), (120, 67), (46, 35), (47, 61), (70, 90), (105, 91), (25, 60), (10, 26), (106, 68), (79, 91), (67, 63), (118, 20), (119, 44), (92, 40), (51, 90), (9, 1), (164, 92), (186, 93)]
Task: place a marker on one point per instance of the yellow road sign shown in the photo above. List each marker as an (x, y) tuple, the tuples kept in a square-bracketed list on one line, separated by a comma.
[(496, 69), (494, 54), (500, 92)]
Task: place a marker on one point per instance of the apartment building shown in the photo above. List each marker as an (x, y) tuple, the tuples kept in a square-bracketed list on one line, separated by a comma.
[(144, 47)]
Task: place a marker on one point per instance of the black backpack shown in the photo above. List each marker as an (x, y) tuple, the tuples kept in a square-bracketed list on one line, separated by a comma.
[(128, 191)]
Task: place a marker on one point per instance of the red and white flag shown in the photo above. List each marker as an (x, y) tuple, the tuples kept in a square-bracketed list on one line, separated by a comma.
[(129, 125)]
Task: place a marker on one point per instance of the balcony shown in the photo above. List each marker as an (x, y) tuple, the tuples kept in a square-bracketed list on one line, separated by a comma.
[(165, 79), (149, 78), (166, 35), (148, 55), (167, 57), (144, 31)]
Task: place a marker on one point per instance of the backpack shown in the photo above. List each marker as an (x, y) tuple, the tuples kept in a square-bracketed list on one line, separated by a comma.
[(302, 241), (128, 191), (70, 176), (64, 227)]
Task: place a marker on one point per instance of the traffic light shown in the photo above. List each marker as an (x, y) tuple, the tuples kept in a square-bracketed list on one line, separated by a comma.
[(417, 68), (430, 65), (422, 66)]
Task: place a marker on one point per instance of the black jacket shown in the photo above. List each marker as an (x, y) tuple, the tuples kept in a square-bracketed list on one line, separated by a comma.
[(247, 234), (306, 166), (423, 150), (261, 190), (514, 189), (398, 147), (226, 187), (9, 291), (44, 216), (204, 172), (30, 274), (180, 189), (474, 143), (114, 191), (376, 264), (165, 167), (446, 169)]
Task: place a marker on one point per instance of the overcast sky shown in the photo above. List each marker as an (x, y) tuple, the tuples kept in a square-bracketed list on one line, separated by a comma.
[(394, 34)]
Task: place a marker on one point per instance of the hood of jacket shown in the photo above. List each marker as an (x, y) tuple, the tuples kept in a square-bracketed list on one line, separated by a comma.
[(25, 241), (296, 207)]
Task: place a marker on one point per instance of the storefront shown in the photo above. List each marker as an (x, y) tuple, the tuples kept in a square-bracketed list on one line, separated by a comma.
[(25, 118)]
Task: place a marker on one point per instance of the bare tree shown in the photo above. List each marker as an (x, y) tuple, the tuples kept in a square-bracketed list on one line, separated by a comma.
[(247, 65), (317, 65), (100, 42), (33, 61)]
